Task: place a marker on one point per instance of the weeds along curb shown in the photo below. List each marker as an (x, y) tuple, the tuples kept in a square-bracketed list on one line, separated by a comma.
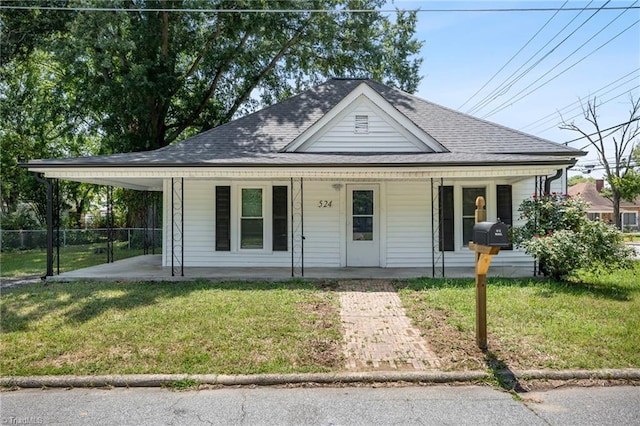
[(169, 380)]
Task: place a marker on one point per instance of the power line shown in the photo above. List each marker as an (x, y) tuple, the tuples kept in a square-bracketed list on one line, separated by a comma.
[(218, 10), (601, 103), (506, 85), (513, 57), (561, 62), (550, 115), (602, 130), (507, 104)]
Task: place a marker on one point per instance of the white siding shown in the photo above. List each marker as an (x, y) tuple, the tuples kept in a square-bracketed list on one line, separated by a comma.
[(199, 229), (382, 135), (405, 225), (322, 225), (408, 214)]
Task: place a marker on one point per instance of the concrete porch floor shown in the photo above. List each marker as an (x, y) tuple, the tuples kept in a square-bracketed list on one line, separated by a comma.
[(149, 268)]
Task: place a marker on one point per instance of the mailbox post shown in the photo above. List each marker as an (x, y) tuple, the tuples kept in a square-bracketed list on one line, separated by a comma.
[(488, 237)]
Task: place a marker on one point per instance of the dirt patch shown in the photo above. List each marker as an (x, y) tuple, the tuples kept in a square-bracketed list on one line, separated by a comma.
[(323, 315), (456, 350)]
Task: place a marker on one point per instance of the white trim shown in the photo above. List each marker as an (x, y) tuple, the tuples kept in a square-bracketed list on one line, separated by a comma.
[(363, 89), (123, 176), (266, 239), (378, 226)]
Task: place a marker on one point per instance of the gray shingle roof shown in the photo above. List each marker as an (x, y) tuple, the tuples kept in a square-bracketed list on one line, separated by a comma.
[(258, 138)]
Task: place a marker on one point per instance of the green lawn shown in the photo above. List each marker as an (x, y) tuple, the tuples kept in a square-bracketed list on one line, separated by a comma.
[(34, 262), (187, 327), (229, 328), (594, 323)]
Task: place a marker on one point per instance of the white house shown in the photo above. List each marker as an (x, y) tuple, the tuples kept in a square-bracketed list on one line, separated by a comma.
[(348, 173)]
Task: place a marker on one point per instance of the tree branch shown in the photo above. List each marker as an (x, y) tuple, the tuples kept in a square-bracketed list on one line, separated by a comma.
[(179, 128), (248, 88)]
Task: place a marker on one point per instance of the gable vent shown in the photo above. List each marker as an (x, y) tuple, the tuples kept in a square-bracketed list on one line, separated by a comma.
[(361, 124)]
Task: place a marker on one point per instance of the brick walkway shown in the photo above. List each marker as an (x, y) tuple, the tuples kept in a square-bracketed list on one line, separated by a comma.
[(378, 334)]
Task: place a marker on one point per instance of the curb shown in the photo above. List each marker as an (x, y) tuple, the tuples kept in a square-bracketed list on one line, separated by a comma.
[(158, 380)]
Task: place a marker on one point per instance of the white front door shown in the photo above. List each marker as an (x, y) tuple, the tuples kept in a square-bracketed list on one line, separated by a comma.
[(363, 225)]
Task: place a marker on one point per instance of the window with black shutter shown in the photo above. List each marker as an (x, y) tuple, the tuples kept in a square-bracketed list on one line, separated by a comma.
[(504, 207), (223, 218), (445, 205), (280, 223)]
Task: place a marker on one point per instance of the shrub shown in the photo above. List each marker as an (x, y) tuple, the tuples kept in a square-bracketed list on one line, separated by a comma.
[(558, 234)]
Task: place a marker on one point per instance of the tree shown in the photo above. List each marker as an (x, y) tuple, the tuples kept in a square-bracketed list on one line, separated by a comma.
[(155, 77), (574, 180), (37, 120), (614, 153), (152, 73)]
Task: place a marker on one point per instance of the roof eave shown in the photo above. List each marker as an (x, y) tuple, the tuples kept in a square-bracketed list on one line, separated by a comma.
[(559, 162)]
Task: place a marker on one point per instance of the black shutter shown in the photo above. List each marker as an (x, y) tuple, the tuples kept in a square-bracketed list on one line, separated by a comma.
[(223, 218), (504, 207), (445, 205), (280, 224)]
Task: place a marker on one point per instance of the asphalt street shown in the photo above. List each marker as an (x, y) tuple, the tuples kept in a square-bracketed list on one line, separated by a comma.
[(412, 405)]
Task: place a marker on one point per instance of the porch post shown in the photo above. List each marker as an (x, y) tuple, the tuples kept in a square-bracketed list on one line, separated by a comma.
[(47, 182), (110, 224), (154, 223), (145, 222), (433, 232), (56, 222), (436, 227), (297, 227), (177, 227)]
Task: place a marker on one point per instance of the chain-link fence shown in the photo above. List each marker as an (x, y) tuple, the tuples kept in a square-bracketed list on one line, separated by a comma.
[(12, 240)]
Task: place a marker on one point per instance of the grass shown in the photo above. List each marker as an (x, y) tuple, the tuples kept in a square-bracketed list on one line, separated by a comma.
[(631, 237), (187, 327), (591, 323), (34, 262), (246, 328)]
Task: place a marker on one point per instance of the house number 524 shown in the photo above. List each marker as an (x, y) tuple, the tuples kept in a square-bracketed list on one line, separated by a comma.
[(323, 204)]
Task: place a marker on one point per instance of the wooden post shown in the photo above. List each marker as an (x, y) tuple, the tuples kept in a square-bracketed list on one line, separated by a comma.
[(483, 256)]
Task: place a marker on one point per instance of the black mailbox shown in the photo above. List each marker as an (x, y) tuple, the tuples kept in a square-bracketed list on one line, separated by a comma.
[(495, 234)]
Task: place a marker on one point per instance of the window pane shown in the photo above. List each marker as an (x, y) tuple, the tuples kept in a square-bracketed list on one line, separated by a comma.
[(363, 202), (251, 202), (363, 228), (469, 196), (629, 218), (251, 234)]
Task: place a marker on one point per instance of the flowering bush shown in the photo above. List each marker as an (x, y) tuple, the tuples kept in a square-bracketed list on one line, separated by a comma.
[(549, 213), (559, 252), (558, 234)]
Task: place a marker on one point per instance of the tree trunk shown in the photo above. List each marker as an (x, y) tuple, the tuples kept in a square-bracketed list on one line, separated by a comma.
[(617, 220)]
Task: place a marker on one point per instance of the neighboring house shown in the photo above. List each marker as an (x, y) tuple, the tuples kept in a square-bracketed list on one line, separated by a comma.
[(601, 208), (348, 173)]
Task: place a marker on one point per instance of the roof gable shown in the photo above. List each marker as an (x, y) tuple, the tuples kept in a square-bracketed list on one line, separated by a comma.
[(364, 122)]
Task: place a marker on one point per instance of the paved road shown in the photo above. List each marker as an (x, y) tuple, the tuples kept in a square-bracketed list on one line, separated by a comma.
[(432, 405)]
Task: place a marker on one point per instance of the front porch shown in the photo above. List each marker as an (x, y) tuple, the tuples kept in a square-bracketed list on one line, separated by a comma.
[(149, 268)]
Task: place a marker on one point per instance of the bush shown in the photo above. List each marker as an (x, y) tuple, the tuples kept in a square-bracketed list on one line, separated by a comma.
[(22, 219), (558, 234)]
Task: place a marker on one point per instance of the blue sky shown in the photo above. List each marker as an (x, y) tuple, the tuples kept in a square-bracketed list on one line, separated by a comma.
[(463, 50)]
